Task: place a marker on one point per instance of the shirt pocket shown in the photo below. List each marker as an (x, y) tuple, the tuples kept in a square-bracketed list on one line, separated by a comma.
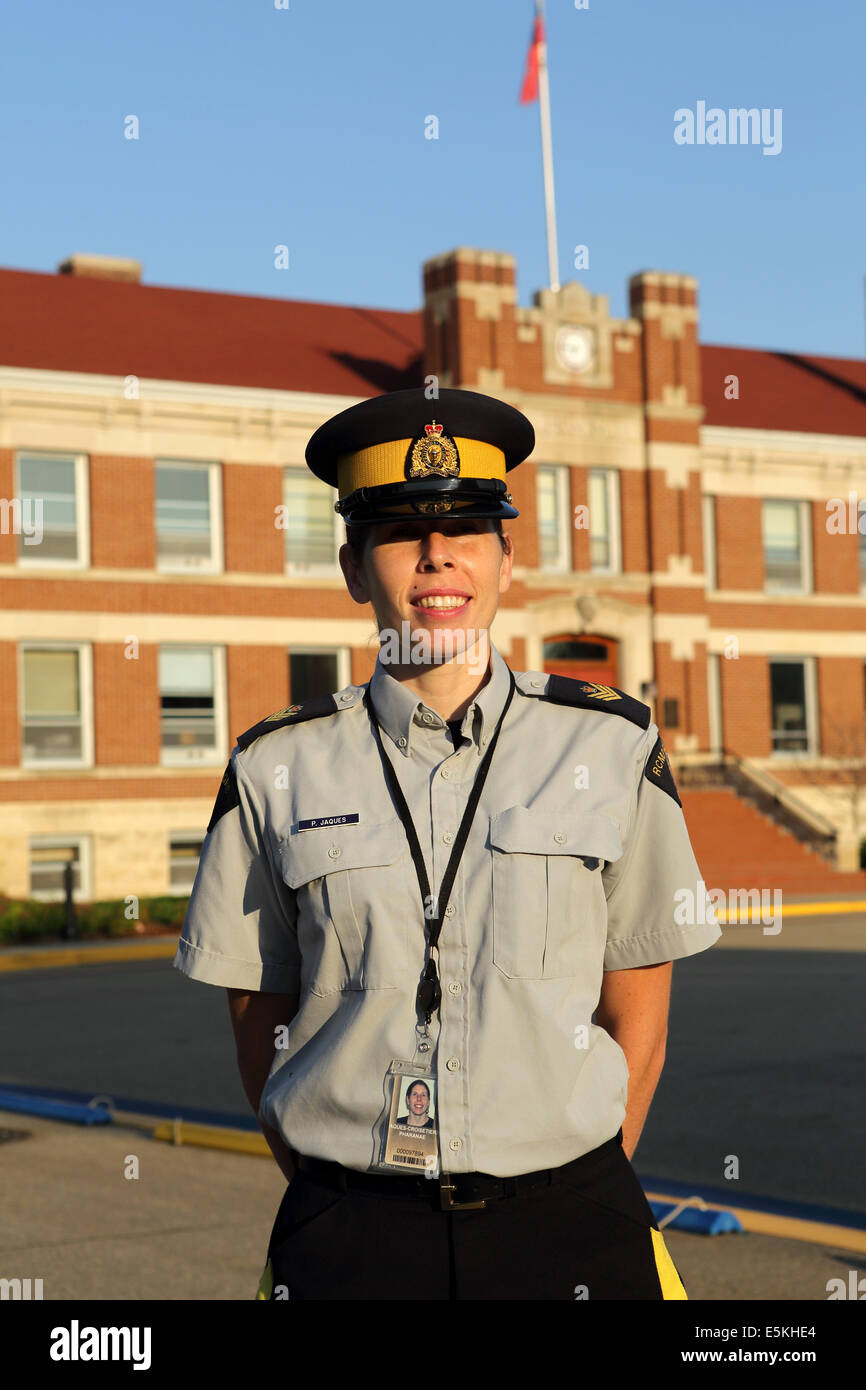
[(549, 907), (353, 905)]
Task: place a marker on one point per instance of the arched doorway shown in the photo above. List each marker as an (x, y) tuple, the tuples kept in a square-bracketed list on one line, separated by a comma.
[(583, 657)]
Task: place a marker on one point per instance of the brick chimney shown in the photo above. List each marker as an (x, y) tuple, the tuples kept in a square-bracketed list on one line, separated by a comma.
[(469, 304), (101, 268)]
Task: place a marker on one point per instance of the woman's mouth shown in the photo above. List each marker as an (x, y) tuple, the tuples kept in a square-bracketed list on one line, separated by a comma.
[(445, 604)]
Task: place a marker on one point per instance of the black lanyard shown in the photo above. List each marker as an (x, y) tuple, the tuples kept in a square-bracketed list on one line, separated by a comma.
[(429, 994)]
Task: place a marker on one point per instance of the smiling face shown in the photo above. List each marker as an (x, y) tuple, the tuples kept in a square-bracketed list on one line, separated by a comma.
[(418, 1098), (446, 573)]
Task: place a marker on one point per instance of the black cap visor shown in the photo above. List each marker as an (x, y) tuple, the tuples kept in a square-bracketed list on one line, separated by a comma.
[(469, 497)]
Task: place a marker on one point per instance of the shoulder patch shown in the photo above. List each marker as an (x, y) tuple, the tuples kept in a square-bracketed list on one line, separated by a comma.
[(226, 797), (313, 708), (564, 690), (658, 770)]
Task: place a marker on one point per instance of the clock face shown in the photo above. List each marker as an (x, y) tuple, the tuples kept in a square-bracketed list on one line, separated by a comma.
[(575, 348)]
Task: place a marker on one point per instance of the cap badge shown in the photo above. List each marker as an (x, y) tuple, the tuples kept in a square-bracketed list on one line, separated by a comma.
[(442, 505), (432, 453)]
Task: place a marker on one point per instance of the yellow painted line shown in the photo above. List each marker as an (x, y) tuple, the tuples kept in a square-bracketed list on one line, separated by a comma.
[(48, 958), (763, 1223), (789, 910), (790, 1227), (85, 955), (243, 1141)]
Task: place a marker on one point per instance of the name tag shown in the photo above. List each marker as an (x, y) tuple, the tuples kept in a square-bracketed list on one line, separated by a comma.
[(320, 822)]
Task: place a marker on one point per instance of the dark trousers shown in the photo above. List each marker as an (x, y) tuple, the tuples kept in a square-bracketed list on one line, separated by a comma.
[(590, 1234)]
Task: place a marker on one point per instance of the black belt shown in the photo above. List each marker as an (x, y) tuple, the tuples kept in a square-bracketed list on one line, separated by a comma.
[(453, 1190)]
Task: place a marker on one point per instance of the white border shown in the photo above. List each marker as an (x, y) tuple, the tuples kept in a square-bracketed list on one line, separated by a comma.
[(806, 577), (294, 567), (31, 558), (200, 757), (85, 688), (84, 892), (611, 478), (562, 503), (215, 564)]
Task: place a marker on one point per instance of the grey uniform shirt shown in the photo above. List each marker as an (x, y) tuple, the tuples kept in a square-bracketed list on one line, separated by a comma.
[(571, 868)]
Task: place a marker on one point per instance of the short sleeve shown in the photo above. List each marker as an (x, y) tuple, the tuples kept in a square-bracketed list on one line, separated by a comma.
[(240, 925), (658, 908)]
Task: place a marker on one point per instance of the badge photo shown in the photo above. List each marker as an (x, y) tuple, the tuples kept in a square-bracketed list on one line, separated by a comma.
[(412, 1140)]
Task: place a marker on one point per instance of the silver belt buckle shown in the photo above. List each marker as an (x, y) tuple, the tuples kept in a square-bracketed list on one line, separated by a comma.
[(446, 1199)]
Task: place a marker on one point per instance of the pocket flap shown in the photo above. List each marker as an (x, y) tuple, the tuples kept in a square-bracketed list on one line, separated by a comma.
[(520, 830), (308, 854)]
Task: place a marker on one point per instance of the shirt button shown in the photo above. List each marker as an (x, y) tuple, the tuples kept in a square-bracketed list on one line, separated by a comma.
[(450, 910), (455, 1144), (453, 1064), (428, 718), (447, 837), (401, 742), (454, 987), (446, 772), (335, 851), (535, 682), (560, 837)]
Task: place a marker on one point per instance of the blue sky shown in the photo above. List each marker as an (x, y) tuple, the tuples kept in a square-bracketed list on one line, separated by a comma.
[(305, 127)]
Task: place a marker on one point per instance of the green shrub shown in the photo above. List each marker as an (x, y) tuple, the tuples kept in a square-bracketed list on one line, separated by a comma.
[(25, 920), (170, 911)]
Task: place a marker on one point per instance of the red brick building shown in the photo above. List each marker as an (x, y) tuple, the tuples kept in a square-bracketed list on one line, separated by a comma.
[(168, 564)]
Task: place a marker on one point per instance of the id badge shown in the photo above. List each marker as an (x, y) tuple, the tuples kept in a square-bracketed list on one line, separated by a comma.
[(409, 1132)]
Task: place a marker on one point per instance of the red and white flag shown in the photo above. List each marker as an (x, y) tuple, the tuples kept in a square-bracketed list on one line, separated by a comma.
[(529, 90)]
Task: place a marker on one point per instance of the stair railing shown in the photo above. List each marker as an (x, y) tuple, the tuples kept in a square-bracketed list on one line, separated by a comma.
[(726, 768)]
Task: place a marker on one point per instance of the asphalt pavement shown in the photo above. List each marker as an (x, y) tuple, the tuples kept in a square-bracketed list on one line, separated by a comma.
[(195, 1225), (764, 1064)]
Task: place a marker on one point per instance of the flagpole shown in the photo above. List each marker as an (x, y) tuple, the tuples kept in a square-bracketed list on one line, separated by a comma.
[(547, 154)]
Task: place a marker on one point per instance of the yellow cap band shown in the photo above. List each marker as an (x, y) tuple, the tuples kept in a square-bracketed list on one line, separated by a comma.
[(386, 463)]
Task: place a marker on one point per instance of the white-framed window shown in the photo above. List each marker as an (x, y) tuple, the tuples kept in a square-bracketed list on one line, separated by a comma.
[(184, 851), (787, 546), (554, 517), (53, 501), (794, 705), (317, 671), (605, 538), (708, 517), (49, 855), (313, 532), (55, 700), (188, 517), (192, 703)]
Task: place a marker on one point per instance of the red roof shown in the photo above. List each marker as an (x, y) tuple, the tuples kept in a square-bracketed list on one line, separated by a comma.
[(83, 324), (784, 391)]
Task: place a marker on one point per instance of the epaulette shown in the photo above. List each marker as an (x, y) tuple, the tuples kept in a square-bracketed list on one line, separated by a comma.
[(565, 690), (314, 708)]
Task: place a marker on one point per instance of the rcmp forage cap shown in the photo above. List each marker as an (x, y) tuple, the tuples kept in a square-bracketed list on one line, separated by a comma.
[(404, 453)]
